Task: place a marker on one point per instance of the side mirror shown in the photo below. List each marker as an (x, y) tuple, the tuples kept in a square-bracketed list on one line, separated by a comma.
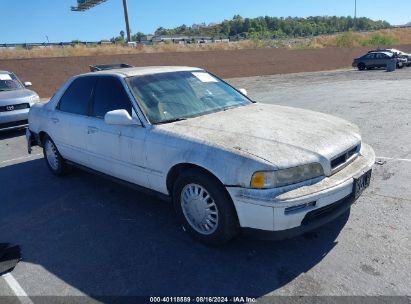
[(28, 84), (120, 117), (243, 91)]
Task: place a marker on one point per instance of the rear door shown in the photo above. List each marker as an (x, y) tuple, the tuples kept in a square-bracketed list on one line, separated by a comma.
[(69, 121), (369, 60), (117, 150)]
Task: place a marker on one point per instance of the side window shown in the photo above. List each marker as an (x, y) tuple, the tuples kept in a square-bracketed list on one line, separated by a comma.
[(77, 96), (370, 56), (110, 95)]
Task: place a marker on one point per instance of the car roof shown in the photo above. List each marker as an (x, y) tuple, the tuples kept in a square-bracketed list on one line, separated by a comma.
[(4, 72), (141, 71), (381, 52)]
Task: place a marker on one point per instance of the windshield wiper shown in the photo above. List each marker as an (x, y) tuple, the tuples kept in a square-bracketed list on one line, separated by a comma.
[(170, 121)]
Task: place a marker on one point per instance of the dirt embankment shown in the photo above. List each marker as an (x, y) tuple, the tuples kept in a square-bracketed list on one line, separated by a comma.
[(47, 74)]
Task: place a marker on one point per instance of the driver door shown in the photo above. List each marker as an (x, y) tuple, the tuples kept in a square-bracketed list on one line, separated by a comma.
[(116, 150)]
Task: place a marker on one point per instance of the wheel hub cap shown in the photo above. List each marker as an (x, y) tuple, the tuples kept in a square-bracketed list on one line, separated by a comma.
[(51, 154), (199, 209)]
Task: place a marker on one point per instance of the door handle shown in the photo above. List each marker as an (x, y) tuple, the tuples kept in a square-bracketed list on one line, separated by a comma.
[(55, 120), (91, 130)]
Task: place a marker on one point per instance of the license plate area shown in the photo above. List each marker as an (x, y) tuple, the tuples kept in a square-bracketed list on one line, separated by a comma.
[(361, 183)]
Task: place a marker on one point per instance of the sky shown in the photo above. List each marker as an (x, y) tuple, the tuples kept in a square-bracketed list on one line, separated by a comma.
[(35, 20)]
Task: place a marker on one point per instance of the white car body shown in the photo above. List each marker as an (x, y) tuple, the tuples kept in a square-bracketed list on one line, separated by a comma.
[(231, 145)]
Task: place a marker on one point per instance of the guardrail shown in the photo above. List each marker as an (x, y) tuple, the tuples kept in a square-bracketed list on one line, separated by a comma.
[(53, 44)]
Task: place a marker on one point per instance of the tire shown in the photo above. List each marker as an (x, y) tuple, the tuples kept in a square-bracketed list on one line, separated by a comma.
[(55, 162), (400, 65), (361, 66), (199, 197)]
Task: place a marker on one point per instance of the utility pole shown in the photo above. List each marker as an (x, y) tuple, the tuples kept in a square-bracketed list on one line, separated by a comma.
[(127, 22), (355, 16)]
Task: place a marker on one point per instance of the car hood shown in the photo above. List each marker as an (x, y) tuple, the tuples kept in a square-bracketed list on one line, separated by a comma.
[(15, 97), (282, 136)]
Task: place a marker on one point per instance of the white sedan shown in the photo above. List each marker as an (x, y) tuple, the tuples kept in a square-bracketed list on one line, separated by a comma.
[(229, 164)]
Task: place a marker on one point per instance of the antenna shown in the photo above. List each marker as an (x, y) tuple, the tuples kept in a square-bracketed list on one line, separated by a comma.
[(83, 5)]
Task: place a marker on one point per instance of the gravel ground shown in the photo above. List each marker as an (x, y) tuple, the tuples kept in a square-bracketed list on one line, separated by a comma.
[(84, 235)]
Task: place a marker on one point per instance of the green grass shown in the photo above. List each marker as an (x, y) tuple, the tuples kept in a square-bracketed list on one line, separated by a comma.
[(379, 40)]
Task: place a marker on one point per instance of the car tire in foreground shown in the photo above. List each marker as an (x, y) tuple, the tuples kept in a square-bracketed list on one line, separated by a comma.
[(204, 207), (400, 65), (54, 160), (361, 66)]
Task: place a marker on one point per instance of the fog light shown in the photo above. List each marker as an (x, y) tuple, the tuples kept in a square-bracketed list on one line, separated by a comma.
[(295, 209)]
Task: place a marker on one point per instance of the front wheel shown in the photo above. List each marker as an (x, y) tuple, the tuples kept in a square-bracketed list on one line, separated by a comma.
[(204, 207), (54, 160), (361, 66), (400, 65)]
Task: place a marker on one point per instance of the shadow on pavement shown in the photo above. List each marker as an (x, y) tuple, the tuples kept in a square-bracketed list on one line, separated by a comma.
[(108, 240), (12, 133)]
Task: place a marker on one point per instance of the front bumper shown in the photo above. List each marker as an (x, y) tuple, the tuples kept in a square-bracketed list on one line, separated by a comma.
[(13, 119), (283, 213)]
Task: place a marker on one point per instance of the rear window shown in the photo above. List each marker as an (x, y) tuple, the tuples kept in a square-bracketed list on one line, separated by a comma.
[(77, 97)]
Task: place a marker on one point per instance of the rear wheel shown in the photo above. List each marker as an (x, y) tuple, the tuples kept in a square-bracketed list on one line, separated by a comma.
[(204, 207), (361, 66), (400, 65), (54, 160)]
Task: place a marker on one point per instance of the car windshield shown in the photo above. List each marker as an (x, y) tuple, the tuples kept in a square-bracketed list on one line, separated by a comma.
[(9, 82), (174, 96)]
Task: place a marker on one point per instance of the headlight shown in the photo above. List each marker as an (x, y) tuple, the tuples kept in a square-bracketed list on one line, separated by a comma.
[(280, 178), (34, 98)]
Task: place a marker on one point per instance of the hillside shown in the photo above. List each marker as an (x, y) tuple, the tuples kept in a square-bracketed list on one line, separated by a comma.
[(273, 27)]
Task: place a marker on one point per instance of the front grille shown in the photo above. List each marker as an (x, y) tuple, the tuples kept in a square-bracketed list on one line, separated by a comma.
[(343, 158), (13, 124), (15, 107)]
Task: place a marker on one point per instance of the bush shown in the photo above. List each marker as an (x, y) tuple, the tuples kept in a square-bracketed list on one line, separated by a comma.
[(348, 39), (379, 40)]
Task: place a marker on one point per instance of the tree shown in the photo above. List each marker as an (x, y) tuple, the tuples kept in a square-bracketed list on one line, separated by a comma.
[(138, 36), (268, 27)]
